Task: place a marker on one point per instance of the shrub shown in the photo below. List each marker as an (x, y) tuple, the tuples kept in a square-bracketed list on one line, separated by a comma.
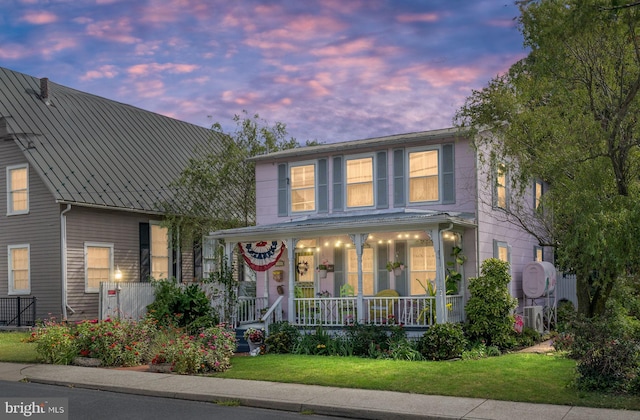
[(442, 342), (282, 337), (527, 338), (404, 349), (489, 309), (55, 343), (566, 313), (366, 339)]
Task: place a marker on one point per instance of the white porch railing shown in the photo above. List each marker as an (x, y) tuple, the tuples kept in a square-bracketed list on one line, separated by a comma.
[(250, 309), (412, 311)]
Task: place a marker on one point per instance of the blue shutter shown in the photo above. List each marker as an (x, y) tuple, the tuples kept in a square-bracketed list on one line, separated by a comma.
[(448, 175), (401, 281), (283, 189), (338, 267), (382, 195), (338, 183), (323, 192), (382, 272), (145, 252), (398, 178)]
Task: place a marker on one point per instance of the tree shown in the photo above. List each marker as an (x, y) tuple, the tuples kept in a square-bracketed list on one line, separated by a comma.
[(217, 190), (568, 114)]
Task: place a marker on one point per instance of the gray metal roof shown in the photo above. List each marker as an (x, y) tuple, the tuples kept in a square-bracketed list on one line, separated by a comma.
[(358, 222), (94, 151), (364, 144)]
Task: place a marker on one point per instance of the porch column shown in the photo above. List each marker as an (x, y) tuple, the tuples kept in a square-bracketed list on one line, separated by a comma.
[(441, 288), (291, 254), (228, 251), (359, 241)]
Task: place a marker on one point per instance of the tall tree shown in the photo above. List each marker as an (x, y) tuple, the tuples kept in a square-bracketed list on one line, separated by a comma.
[(568, 114), (218, 189)]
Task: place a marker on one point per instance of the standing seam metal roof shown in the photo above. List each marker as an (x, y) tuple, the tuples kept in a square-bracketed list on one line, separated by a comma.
[(94, 151)]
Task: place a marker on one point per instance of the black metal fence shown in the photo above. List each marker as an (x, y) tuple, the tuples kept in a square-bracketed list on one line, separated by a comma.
[(18, 311)]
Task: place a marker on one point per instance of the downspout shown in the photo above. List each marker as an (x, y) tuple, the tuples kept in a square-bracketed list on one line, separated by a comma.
[(442, 291), (63, 245)]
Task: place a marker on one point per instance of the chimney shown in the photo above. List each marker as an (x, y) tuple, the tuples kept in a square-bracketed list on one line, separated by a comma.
[(44, 88)]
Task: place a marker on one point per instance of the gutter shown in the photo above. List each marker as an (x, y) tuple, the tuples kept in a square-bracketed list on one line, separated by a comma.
[(63, 249)]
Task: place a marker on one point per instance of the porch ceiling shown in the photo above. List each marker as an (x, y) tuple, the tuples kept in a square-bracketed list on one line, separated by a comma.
[(378, 221)]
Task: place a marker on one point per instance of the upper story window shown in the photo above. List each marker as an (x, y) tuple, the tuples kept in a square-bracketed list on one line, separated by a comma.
[(17, 189), (537, 195), (159, 251), (423, 176), (19, 277), (303, 188), (98, 265), (500, 198), (360, 182)]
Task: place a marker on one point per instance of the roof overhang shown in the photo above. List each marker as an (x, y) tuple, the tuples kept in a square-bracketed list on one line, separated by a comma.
[(334, 225)]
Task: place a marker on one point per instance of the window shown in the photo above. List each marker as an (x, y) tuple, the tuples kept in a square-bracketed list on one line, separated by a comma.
[(19, 276), (159, 252), (501, 251), (367, 270), (500, 187), (423, 176), (537, 195), (538, 254), (18, 189), (98, 265), (360, 182), (303, 188), (422, 261)]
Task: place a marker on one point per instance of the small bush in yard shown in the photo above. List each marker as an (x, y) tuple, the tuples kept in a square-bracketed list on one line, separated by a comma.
[(442, 342), (55, 342), (282, 337)]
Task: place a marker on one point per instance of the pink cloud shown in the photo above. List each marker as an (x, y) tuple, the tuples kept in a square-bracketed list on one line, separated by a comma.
[(113, 30), (106, 71), (347, 48), (150, 88), (166, 11), (56, 43), (39, 17), (234, 97), (13, 51), (146, 69), (423, 17), (502, 23), (444, 76)]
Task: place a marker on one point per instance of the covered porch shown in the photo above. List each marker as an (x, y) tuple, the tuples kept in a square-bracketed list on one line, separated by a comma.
[(385, 268)]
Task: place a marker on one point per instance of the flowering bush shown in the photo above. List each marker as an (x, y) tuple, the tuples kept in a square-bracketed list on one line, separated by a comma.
[(55, 343), (254, 335)]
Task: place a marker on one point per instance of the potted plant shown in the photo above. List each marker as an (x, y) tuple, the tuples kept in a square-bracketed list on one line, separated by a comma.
[(322, 269), (255, 339), (395, 266)]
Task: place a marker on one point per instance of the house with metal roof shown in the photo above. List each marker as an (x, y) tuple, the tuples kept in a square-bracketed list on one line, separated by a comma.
[(377, 230), (84, 177)]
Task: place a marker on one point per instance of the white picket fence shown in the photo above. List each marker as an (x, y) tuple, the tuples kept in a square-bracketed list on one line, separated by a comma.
[(566, 288), (130, 301)]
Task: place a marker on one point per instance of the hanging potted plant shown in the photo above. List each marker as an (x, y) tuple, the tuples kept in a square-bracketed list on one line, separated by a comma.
[(322, 269), (395, 266)]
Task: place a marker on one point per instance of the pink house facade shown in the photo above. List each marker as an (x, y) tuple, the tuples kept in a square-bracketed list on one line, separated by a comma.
[(340, 216)]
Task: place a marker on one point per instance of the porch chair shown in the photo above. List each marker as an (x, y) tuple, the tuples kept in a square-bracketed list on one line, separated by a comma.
[(379, 310), (348, 309)]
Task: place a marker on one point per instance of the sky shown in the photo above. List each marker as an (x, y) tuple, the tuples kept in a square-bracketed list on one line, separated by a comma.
[(331, 70)]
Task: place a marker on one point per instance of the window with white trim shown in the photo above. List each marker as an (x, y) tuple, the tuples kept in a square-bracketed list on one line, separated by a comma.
[(537, 195), (19, 269), (360, 182), (424, 183), (367, 270), (501, 251), (159, 251), (17, 189), (500, 192), (303, 188), (98, 265), (422, 262)]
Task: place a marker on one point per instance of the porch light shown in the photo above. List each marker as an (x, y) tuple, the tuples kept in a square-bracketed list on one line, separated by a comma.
[(118, 274)]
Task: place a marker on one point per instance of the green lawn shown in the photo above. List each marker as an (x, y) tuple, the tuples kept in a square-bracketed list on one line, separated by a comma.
[(523, 377)]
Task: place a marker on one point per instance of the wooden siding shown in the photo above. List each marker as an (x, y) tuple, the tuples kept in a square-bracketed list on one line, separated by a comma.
[(40, 228)]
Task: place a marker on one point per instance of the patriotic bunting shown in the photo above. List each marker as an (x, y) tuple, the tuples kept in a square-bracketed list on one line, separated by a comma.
[(262, 255)]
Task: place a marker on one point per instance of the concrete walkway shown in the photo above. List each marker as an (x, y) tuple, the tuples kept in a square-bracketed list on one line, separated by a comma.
[(345, 402)]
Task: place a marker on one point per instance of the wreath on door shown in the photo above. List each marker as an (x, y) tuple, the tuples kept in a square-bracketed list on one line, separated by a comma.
[(302, 268)]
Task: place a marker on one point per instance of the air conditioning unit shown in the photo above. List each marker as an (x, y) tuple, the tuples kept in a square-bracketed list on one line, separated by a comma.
[(533, 318)]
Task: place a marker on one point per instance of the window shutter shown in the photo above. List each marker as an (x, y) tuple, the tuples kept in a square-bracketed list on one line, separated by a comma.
[(197, 260), (338, 182), (283, 189), (382, 195), (383, 274), (448, 175), (145, 252), (401, 280), (338, 267), (398, 178), (323, 192)]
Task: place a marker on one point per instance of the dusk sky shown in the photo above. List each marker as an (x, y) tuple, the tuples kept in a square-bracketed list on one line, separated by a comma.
[(331, 70)]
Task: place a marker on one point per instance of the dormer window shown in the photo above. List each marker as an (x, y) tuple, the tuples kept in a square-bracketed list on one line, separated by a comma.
[(303, 188)]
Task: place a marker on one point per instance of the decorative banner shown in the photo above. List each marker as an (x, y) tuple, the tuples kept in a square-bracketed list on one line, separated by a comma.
[(263, 255)]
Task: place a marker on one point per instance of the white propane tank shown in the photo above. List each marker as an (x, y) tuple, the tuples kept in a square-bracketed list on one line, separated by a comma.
[(538, 279)]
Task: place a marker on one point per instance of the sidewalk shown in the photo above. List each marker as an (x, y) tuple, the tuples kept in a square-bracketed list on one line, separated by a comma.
[(345, 402)]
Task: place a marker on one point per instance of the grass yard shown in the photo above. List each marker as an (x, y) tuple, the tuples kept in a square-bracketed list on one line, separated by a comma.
[(522, 377)]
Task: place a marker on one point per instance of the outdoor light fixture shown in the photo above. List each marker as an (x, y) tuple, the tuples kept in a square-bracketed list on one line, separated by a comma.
[(118, 274)]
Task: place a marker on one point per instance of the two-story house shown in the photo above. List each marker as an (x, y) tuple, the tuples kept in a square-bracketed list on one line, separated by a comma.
[(82, 178), (333, 219)]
